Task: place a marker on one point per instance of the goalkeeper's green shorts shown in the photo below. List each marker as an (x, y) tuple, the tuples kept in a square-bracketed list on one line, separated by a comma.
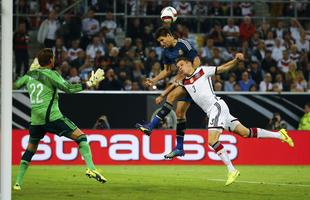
[(61, 127)]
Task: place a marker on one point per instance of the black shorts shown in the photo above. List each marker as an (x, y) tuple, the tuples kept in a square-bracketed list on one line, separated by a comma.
[(60, 127)]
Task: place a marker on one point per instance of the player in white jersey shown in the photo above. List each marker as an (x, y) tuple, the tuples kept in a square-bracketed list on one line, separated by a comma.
[(199, 85)]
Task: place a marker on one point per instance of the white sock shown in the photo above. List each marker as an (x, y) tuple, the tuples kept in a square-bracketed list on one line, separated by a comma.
[(224, 156), (262, 133)]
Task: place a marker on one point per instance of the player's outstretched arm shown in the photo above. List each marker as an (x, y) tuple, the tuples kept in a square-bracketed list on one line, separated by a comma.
[(161, 97), (162, 74), (231, 64), (21, 82)]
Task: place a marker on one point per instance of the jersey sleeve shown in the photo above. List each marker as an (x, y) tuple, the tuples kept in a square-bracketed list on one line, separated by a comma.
[(209, 70), (188, 50), (57, 81), (21, 82)]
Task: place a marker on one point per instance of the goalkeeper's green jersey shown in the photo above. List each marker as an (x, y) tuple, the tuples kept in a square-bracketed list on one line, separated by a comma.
[(42, 85)]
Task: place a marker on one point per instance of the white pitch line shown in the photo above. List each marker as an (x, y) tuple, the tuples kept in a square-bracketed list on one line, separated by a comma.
[(263, 183)]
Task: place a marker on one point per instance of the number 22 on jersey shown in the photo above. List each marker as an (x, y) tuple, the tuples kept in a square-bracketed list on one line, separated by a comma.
[(35, 92)]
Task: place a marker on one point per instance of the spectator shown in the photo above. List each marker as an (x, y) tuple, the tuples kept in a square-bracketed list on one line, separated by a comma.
[(246, 8), (229, 85), (247, 29), (268, 62), (295, 29), (110, 82), (269, 42), (217, 35), (200, 9), (303, 44), (47, 30), (70, 29), (216, 59), (294, 55), (277, 51), (79, 62), (255, 72), (288, 41), (20, 47), (207, 50), (74, 50), (90, 27), (263, 30), (283, 64), (94, 47), (253, 88), (154, 72), (60, 52), (135, 86), (126, 47), (254, 41), (278, 84), (73, 76), (291, 73), (245, 83), (276, 122), (102, 123), (110, 24), (279, 30), (218, 86), (259, 53), (183, 7), (231, 33), (266, 85)]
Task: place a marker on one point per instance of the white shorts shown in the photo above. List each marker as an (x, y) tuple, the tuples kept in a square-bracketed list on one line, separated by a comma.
[(220, 117)]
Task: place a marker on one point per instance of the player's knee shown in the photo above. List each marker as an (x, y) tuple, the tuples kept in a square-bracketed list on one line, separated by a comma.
[(81, 138)]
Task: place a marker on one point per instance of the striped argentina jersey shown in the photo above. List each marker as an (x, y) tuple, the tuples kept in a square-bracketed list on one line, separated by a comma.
[(182, 48), (199, 86)]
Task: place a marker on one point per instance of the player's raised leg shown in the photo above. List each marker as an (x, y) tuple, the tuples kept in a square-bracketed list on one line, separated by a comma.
[(213, 140), (262, 133), (80, 138)]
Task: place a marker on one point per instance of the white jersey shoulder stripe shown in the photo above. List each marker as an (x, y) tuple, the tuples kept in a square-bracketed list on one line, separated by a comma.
[(186, 43)]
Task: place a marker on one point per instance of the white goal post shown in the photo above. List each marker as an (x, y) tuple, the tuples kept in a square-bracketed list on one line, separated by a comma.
[(6, 98)]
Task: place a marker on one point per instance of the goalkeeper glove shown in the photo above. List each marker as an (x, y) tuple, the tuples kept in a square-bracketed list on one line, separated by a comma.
[(95, 78)]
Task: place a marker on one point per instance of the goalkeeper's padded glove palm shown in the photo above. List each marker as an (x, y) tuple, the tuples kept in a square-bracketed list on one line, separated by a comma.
[(95, 78)]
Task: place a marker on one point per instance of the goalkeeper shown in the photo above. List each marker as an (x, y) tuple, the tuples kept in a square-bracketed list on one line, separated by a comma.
[(42, 84)]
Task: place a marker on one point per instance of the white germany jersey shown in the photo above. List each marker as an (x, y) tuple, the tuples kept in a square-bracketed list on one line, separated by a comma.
[(200, 88)]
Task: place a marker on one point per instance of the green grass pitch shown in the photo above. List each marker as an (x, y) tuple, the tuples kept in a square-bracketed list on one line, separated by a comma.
[(164, 183)]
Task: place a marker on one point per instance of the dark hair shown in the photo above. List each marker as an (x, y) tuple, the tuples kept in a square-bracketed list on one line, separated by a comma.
[(162, 32), (307, 104), (182, 58), (44, 56)]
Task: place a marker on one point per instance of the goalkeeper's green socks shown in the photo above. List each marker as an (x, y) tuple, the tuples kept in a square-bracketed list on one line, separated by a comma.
[(86, 153), (22, 170)]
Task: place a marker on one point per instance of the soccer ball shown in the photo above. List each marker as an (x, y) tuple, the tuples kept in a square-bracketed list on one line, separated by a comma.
[(169, 14)]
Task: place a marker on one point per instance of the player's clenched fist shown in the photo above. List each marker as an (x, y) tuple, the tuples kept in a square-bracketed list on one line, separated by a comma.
[(148, 83), (95, 78), (239, 56)]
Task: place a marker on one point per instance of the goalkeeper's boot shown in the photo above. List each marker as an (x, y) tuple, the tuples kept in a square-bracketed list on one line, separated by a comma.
[(175, 153), (231, 177), (145, 128), (17, 187), (286, 138), (96, 175)]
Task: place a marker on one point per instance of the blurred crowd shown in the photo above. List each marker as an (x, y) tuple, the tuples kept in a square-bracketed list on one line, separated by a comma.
[(277, 52)]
